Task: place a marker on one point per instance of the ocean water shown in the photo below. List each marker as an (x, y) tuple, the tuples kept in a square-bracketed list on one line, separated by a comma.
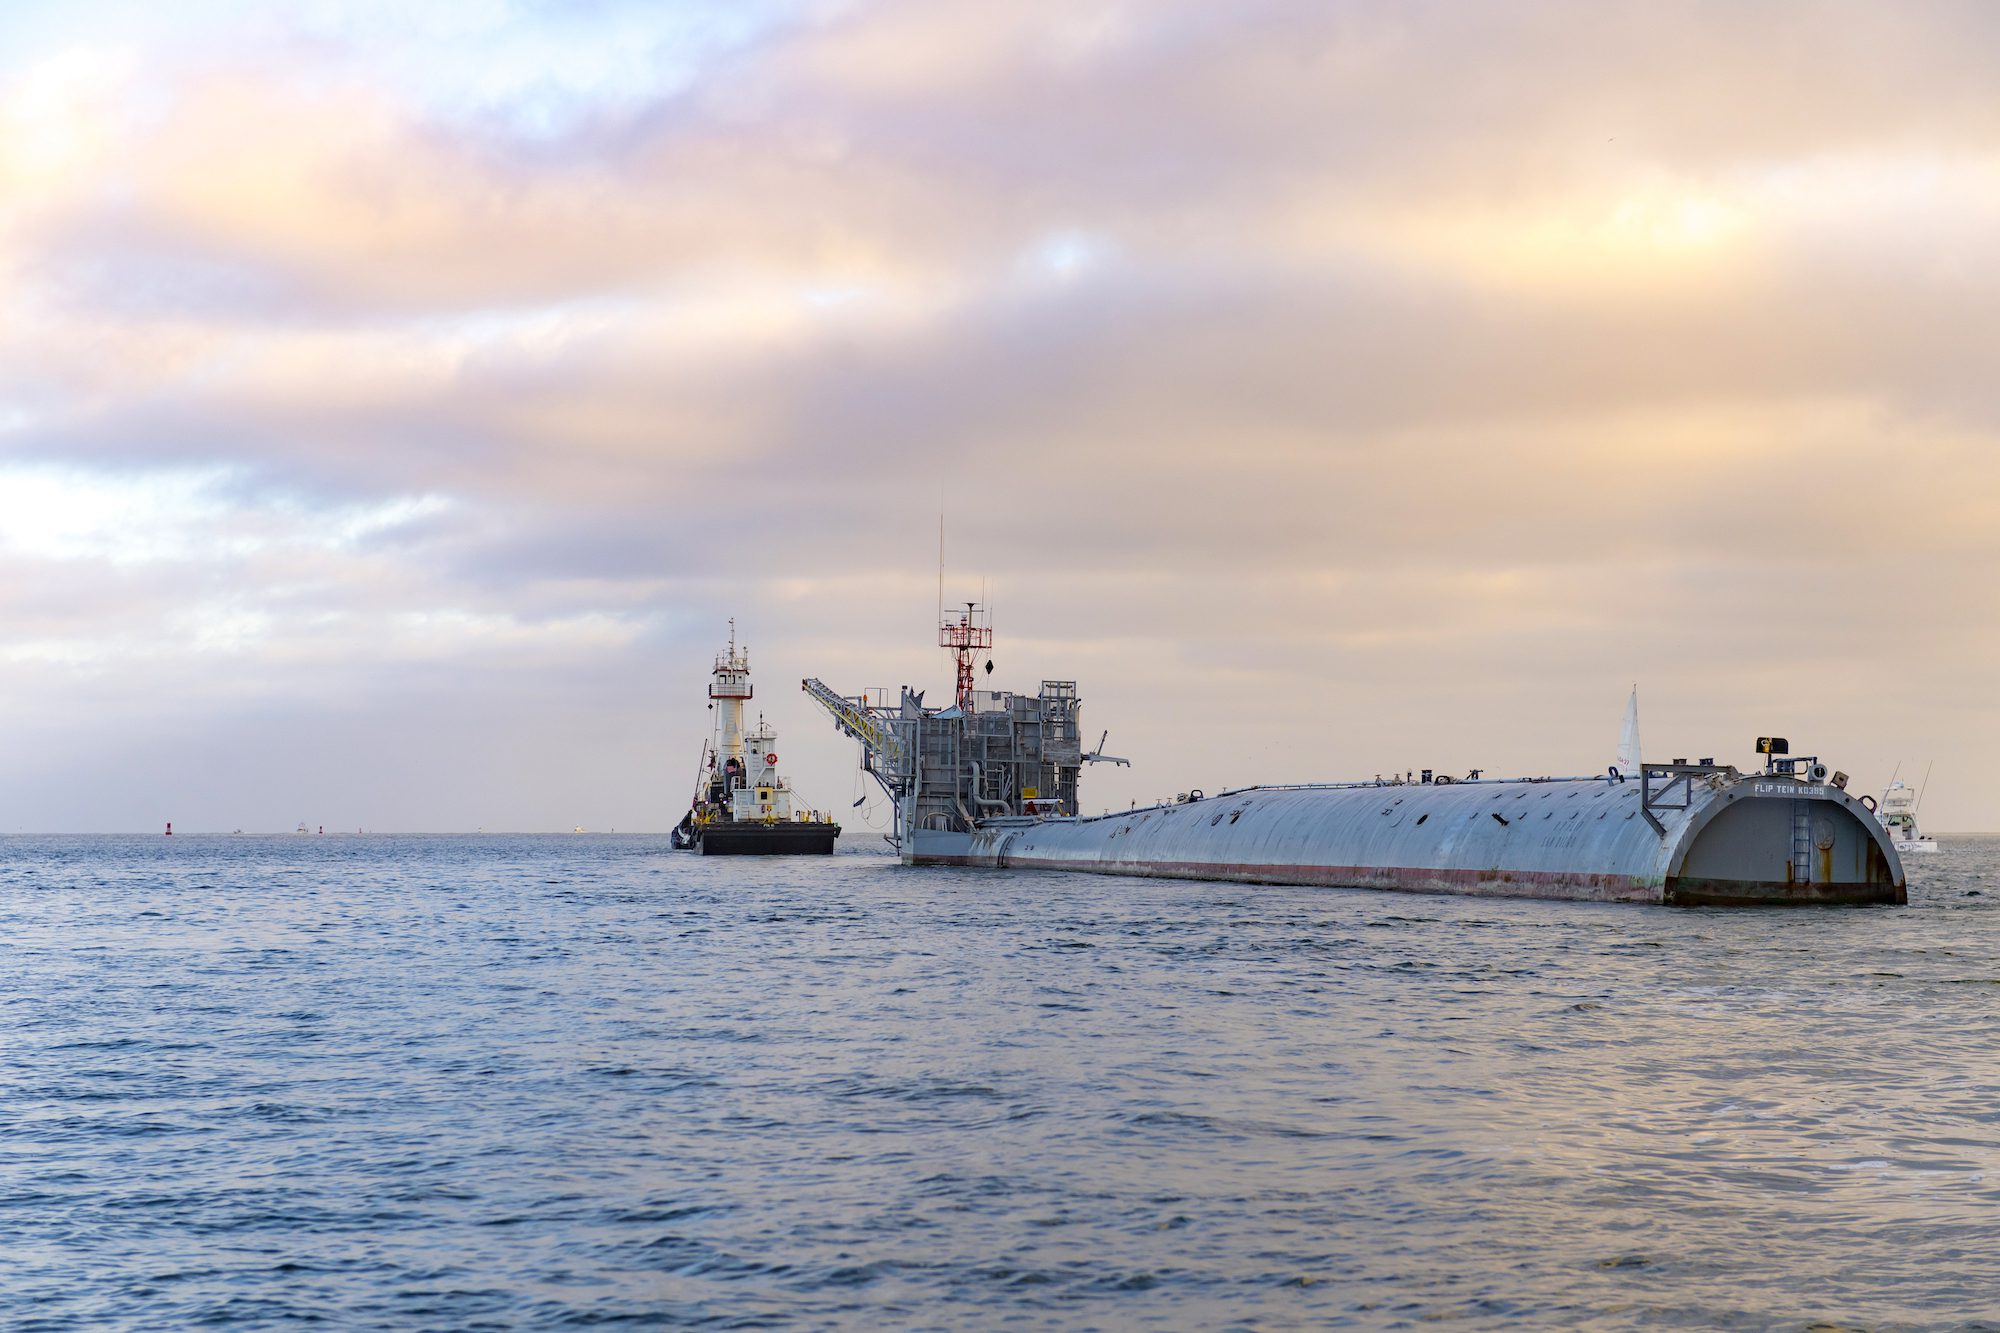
[(497, 1082)]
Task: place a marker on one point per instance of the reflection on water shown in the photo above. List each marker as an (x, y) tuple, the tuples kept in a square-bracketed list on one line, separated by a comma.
[(449, 1081)]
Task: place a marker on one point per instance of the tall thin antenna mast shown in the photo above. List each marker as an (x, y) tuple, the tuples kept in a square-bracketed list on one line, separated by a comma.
[(1926, 787)]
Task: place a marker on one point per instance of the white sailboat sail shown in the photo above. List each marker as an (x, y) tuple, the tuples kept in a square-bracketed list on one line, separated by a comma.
[(1627, 761)]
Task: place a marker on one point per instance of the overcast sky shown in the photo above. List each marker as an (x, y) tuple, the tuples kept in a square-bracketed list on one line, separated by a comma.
[(396, 400)]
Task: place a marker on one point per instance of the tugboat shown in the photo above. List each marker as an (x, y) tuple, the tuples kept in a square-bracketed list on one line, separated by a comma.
[(742, 805)]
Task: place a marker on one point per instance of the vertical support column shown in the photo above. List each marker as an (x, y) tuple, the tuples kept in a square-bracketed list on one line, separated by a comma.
[(732, 729), (730, 689)]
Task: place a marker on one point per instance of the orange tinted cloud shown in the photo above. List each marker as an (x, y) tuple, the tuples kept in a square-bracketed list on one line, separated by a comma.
[(1433, 371)]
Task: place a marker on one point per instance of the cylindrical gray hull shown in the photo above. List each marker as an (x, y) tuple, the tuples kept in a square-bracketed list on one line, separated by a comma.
[(1726, 841)]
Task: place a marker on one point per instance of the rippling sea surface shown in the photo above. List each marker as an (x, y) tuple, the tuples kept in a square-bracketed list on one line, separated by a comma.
[(478, 1082)]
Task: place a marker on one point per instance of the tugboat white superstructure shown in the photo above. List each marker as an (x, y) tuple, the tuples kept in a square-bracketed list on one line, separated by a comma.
[(742, 805), (991, 781)]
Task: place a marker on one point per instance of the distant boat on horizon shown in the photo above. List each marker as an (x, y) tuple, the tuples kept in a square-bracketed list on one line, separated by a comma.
[(1899, 816)]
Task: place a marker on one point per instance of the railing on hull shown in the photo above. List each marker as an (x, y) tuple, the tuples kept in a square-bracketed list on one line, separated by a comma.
[(1661, 784), (1658, 785)]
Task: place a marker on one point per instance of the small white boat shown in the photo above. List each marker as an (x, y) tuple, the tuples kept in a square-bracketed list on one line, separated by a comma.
[(1899, 817)]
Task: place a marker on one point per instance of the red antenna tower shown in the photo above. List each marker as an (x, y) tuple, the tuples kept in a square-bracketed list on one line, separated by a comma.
[(966, 637)]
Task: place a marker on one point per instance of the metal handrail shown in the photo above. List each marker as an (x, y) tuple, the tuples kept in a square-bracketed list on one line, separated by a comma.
[(1681, 772), (1399, 782), (1672, 778)]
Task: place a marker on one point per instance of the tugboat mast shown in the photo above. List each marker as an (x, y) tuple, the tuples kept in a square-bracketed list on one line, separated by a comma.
[(730, 688)]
